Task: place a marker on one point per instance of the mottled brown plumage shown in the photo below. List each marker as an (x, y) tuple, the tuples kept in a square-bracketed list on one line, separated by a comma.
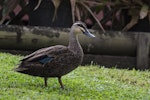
[(55, 61)]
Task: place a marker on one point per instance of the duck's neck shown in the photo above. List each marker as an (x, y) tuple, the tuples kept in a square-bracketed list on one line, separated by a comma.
[(74, 44)]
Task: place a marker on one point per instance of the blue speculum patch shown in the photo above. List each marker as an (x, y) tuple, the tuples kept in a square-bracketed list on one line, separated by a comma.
[(46, 60)]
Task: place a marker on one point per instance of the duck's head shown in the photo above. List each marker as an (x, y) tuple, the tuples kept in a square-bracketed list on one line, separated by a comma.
[(79, 27)]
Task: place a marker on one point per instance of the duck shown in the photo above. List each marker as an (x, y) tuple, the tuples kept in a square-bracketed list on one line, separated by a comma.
[(56, 61)]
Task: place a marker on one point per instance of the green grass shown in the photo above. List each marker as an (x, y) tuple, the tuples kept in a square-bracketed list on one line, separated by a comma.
[(84, 83)]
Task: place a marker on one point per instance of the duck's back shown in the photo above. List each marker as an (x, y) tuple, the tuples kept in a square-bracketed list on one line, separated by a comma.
[(50, 62)]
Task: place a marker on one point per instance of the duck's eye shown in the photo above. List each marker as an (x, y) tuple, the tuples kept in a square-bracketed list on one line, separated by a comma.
[(80, 25)]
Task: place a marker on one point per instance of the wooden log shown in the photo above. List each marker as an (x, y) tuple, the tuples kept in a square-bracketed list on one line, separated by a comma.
[(109, 43), (143, 51), (33, 38), (110, 61)]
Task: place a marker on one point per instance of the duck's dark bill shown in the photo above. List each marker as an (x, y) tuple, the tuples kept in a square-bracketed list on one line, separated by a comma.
[(88, 33)]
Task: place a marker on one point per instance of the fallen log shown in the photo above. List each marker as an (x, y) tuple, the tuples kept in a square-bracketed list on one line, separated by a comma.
[(113, 43), (33, 38)]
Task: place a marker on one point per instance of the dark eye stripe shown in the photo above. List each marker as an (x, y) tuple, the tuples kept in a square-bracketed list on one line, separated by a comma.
[(81, 26)]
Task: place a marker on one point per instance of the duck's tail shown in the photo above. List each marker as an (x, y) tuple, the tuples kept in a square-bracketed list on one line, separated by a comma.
[(20, 68)]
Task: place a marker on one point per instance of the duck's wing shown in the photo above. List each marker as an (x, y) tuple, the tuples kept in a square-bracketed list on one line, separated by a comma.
[(45, 55), (37, 54)]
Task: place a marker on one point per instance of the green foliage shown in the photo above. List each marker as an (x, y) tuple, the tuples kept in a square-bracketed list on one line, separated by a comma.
[(137, 9), (104, 12), (84, 83), (78, 7)]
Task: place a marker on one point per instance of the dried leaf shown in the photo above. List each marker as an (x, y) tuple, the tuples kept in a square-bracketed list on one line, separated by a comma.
[(78, 13), (8, 6), (90, 11), (97, 3), (144, 11), (133, 21), (37, 6), (56, 5), (134, 13), (73, 4)]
